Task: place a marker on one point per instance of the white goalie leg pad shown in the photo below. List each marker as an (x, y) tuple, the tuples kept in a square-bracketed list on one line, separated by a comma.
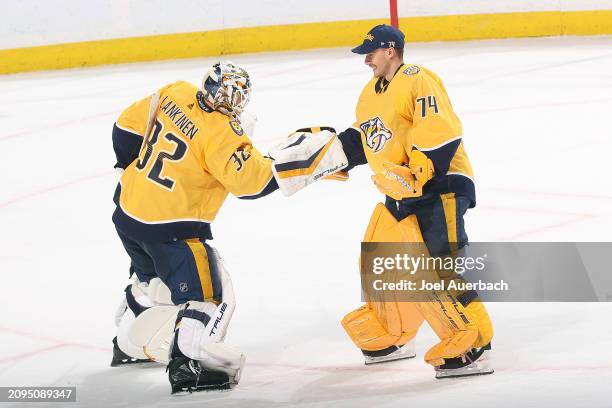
[(193, 328), (121, 310), (140, 291), (151, 333), (159, 293), (221, 357), (201, 339), (153, 293), (143, 296), (138, 302), (123, 341), (204, 323), (306, 157), (202, 330)]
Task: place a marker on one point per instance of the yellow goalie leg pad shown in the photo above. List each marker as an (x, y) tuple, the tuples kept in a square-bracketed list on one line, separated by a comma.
[(460, 328), (383, 227), (477, 312), (368, 333), (457, 345), (385, 322)]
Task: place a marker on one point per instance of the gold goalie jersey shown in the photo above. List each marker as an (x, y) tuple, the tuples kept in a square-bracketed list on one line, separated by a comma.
[(181, 159), (413, 111)]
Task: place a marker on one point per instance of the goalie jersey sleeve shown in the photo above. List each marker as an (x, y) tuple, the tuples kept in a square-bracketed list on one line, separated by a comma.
[(128, 134), (178, 174), (353, 148), (231, 158)]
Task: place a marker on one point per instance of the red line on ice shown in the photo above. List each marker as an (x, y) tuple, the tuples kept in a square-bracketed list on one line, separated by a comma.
[(64, 343), (55, 126), (413, 369), (53, 188), (544, 228), (35, 336), (30, 353), (576, 217), (56, 344), (302, 367)]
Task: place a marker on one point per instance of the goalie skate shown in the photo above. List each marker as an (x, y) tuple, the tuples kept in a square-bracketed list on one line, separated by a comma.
[(120, 358), (475, 362), (390, 354), (187, 375)]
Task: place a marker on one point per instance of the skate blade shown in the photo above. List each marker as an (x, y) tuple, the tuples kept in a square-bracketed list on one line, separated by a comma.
[(129, 362), (385, 359), (182, 390), (476, 368), (481, 366), (446, 374)]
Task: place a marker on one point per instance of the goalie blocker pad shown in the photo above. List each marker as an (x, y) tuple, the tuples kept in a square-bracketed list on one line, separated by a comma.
[(305, 157)]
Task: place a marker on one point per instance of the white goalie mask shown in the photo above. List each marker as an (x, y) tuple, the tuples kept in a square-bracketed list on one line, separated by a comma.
[(227, 87)]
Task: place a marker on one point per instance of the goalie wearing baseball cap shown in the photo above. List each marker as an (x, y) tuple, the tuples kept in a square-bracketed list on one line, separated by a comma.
[(381, 36), (407, 131)]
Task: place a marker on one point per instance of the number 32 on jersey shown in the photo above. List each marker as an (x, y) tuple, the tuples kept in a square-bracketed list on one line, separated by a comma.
[(161, 157)]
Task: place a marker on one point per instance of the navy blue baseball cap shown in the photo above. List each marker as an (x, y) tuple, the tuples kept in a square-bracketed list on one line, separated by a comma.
[(381, 36)]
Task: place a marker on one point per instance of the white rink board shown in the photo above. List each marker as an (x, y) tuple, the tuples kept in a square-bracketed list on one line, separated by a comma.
[(29, 23), (416, 8), (535, 125)]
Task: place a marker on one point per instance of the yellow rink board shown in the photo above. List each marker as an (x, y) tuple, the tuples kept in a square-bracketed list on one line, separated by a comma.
[(300, 37)]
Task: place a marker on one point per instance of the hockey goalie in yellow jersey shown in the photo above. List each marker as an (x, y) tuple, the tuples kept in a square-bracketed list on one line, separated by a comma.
[(408, 133), (182, 151)]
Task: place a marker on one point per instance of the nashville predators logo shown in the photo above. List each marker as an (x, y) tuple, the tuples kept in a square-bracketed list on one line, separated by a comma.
[(376, 134), (235, 125), (369, 37), (412, 70)]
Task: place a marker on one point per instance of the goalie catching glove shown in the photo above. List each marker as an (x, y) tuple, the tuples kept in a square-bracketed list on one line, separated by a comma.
[(399, 181), (306, 156)]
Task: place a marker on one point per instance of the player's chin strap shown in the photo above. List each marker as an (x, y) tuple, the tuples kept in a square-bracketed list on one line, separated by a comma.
[(305, 157)]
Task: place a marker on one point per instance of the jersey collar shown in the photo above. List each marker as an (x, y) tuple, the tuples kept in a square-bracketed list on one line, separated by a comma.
[(382, 84)]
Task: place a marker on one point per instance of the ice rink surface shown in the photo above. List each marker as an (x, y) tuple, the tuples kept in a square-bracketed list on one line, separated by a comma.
[(536, 116)]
